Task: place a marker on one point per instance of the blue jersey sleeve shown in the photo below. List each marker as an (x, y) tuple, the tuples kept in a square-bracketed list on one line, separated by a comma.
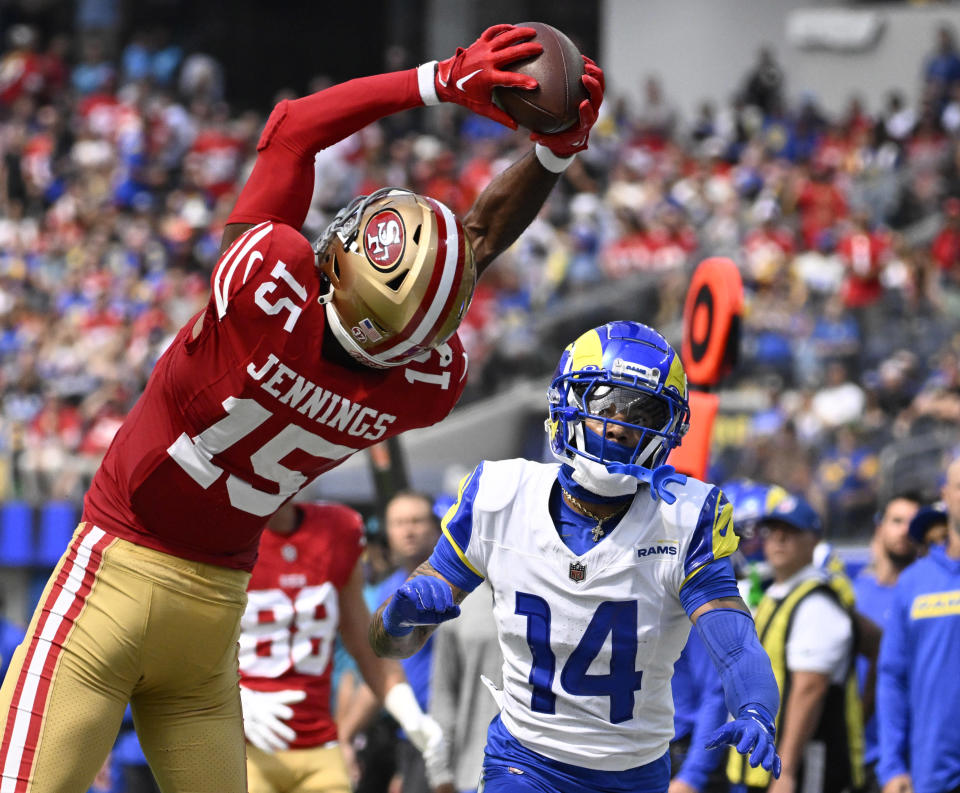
[(449, 557), (713, 580), (713, 538)]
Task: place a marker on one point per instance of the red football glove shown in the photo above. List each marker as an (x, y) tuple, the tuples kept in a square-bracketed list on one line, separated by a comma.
[(469, 77), (570, 141)]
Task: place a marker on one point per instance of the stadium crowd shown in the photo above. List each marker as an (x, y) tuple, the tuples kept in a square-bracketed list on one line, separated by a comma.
[(117, 174)]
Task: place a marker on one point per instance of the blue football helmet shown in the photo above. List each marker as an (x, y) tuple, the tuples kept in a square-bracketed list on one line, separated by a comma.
[(751, 500), (630, 384)]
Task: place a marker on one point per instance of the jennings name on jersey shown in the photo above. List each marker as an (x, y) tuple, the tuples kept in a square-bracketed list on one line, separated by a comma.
[(234, 422), (589, 642)]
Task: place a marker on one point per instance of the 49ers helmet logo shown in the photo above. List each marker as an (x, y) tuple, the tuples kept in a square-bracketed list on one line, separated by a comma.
[(384, 239)]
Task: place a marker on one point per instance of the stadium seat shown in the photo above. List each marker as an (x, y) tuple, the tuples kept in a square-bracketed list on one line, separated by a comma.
[(58, 519), (16, 534)]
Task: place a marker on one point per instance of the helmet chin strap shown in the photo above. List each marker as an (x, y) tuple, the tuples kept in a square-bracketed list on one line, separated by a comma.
[(347, 342), (658, 478)]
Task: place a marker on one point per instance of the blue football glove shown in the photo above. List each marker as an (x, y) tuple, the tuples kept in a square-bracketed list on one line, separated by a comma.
[(752, 729), (424, 600)]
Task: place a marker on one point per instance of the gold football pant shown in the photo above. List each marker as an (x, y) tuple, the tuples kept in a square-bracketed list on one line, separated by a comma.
[(316, 770), (120, 623)]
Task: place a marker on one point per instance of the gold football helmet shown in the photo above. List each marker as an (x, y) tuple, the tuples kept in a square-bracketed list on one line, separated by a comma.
[(401, 274)]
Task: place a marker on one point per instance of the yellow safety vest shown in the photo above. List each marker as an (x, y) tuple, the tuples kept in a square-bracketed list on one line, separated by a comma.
[(773, 620)]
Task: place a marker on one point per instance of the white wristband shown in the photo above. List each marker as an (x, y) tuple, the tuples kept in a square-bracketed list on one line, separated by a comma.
[(551, 161), (401, 703), (426, 74)]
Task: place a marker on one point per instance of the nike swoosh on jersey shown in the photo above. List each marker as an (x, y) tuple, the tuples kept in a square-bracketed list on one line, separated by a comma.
[(463, 80)]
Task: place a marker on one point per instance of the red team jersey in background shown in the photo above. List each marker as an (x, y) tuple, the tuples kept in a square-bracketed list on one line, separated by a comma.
[(235, 422), (292, 615)]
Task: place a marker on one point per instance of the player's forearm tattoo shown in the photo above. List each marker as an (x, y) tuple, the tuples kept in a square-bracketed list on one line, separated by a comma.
[(386, 645), (732, 603)]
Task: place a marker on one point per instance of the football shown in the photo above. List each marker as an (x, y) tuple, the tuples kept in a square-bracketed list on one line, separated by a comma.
[(554, 105)]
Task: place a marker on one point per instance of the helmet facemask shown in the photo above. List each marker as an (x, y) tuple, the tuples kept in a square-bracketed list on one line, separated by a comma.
[(631, 425), (401, 273), (617, 408)]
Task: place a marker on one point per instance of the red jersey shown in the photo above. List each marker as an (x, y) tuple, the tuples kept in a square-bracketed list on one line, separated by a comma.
[(236, 421), (292, 616), (863, 253)]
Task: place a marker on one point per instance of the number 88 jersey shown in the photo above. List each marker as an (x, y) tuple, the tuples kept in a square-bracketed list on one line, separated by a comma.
[(237, 419), (292, 616)]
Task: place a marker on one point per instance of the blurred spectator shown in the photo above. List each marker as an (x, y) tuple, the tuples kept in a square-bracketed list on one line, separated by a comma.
[(95, 73), (820, 203), (214, 159), (941, 72), (763, 85), (51, 441), (21, 68), (898, 119), (845, 480), (930, 526), (657, 118), (202, 78), (835, 336), (840, 401), (864, 252), (891, 550), (945, 251), (918, 696)]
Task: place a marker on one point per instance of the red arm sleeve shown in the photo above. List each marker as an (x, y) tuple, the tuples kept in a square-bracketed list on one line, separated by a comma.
[(281, 185)]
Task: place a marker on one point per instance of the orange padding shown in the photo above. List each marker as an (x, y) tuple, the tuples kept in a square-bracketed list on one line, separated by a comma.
[(692, 455), (714, 298)]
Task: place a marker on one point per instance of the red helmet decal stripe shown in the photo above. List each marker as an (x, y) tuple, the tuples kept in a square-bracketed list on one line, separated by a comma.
[(452, 275), (452, 296), (449, 253)]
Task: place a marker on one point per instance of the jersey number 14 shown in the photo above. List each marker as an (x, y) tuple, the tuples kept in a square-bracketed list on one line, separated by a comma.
[(615, 618)]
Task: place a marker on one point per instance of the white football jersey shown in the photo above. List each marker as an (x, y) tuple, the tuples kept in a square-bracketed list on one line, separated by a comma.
[(589, 642)]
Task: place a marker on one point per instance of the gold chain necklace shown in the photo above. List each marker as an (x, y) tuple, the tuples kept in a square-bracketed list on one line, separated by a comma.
[(597, 531)]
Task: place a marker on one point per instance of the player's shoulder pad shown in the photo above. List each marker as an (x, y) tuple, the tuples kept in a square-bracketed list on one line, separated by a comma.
[(501, 480), (684, 513), (704, 518), (255, 255)]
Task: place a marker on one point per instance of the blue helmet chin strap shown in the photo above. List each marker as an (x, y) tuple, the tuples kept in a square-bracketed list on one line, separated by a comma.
[(658, 478)]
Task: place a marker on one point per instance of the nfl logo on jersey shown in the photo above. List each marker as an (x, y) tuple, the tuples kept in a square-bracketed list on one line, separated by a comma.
[(577, 571)]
